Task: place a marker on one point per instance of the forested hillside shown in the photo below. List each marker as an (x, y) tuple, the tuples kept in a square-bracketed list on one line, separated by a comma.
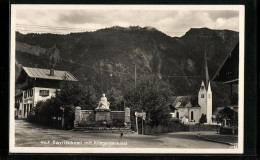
[(105, 59)]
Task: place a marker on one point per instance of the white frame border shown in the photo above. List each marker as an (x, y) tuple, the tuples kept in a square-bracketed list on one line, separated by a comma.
[(239, 150)]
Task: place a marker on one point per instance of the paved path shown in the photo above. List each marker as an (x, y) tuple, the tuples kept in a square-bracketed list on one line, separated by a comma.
[(33, 135)]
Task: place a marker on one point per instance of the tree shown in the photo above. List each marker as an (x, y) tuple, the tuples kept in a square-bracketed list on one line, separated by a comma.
[(227, 113), (73, 93), (45, 110), (151, 95), (116, 99), (203, 119)]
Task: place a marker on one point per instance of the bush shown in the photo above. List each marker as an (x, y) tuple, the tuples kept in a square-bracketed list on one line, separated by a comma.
[(203, 119), (69, 116), (118, 123)]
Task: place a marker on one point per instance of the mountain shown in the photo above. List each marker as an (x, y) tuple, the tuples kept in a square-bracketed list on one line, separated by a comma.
[(107, 57)]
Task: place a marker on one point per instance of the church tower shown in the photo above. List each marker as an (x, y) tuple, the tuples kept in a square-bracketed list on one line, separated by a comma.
[(209, 104), (205, 95), (202, 99)]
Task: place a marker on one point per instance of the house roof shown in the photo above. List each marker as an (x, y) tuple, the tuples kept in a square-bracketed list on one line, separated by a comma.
[(19, 95), (228, 71), (215, 112), (184, 100), (45, 74)]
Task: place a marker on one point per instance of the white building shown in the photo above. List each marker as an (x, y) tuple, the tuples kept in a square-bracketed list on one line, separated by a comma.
[(38, 85)]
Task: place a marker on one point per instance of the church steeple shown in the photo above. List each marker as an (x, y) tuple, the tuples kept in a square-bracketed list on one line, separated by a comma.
[(206, 69), (202, 86)]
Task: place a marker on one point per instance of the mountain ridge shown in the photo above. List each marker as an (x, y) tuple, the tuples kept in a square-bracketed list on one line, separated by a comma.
[(118, 50)]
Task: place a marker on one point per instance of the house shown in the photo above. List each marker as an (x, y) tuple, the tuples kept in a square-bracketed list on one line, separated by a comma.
[(37, 85), (185, 119), (228, 74), (191, 107)]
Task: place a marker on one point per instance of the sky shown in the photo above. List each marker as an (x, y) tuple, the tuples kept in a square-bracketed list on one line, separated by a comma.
[(171, 22)]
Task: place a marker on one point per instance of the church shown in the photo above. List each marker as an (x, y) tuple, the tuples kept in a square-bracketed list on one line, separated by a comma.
[(189, 108)]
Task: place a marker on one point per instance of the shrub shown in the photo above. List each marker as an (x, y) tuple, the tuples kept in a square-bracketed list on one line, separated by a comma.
[(203, 119)]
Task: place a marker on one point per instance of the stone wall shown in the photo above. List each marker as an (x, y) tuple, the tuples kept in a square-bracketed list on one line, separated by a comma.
[(120, 115), (94, 117)]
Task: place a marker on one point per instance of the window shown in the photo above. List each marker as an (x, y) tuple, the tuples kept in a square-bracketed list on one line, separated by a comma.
[(30, 107), (25, 94), (24, 109), (44, 93), (202, 95), (177, 114), (191, 115), (31, 92)]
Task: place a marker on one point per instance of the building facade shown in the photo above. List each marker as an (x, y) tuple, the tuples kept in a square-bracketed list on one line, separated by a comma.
[(191, 107), (38, 85), (228, 74)]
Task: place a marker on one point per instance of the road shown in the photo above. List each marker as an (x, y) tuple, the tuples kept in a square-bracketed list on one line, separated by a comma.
[(34, 135)]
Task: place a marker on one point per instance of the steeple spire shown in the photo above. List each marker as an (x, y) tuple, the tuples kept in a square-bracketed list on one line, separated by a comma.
[(206, 69)]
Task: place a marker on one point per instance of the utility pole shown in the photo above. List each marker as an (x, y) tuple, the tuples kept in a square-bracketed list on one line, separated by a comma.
[(135, 77), (142, 123), (136, 122)]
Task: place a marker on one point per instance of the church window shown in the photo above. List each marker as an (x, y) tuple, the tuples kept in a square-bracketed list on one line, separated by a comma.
[(191, 115), (202, 95)]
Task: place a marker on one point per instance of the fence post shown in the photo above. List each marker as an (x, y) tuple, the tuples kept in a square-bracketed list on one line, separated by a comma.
[(62, 117)]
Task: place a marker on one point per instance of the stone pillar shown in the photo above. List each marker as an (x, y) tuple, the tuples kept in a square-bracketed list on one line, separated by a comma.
[(77, 116), (127, 118), (127, 115)]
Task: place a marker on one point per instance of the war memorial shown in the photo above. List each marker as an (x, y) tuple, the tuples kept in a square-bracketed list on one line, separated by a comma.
[(102, 119)]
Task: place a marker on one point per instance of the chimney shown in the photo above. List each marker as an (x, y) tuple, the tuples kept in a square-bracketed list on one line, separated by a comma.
[(51, 72)]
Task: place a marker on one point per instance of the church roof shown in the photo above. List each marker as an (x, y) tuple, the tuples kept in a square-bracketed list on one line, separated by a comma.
[(186, 101)]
